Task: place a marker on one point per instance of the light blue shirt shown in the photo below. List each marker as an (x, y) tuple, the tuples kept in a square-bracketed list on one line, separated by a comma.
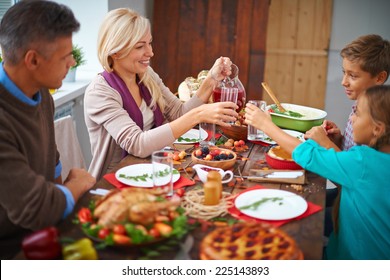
[(364, 216), (14, 90)]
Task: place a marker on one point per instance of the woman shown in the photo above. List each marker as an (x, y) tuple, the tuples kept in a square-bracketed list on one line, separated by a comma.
[(364, 215), (128, 109)]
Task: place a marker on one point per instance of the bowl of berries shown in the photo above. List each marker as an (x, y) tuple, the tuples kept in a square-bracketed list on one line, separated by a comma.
[(214, 157)]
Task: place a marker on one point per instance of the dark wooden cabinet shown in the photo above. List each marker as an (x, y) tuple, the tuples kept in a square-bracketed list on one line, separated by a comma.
[(189, 35)]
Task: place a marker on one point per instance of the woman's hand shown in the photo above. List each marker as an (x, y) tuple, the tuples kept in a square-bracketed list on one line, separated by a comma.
[(219, 113), (221, 69)]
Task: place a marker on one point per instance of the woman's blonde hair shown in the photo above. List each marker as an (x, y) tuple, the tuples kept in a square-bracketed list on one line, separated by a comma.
[(120, 30)]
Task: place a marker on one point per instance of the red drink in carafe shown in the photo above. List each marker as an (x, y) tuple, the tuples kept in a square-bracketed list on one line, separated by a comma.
[(240, 99)]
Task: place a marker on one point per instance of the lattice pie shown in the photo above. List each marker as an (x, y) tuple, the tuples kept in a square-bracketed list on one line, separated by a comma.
[(249, 241)]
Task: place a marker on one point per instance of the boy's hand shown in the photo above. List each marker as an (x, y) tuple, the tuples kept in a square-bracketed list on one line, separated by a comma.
[(331, 128)]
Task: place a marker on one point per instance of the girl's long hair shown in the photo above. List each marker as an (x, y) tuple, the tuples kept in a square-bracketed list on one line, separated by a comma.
[(378, 98)]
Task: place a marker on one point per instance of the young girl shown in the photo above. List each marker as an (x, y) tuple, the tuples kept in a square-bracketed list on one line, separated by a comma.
[(364, 217)]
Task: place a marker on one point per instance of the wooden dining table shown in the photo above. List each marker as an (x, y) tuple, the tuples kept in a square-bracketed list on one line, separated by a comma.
[(308, 231)]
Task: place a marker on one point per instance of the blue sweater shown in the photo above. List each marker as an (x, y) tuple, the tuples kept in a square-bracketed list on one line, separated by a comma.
[(364, 218)]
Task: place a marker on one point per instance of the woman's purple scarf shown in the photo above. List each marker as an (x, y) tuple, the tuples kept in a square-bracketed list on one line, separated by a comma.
[(129, 103)]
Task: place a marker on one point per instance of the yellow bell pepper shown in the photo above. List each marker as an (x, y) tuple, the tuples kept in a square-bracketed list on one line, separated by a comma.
[(80, 250)]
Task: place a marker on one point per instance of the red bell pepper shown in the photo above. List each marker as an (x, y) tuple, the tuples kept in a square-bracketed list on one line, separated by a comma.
[(42, 245)]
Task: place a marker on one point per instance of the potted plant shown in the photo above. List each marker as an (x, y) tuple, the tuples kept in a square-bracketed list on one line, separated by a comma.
[(78, 56)]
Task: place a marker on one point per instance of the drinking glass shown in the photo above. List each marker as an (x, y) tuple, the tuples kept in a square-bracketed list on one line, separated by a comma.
[(208, 128), (192, 84), (229, 94), (162, 171), (254, 133)]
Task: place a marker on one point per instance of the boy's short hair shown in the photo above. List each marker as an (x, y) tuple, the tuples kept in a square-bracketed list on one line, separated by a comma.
[(371, 51)]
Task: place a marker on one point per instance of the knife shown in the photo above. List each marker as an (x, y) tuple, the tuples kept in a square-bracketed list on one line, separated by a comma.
[(99, 191), (185, 248), (275, 174)]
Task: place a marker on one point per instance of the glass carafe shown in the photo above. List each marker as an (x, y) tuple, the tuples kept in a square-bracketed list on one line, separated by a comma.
[(231, 82)]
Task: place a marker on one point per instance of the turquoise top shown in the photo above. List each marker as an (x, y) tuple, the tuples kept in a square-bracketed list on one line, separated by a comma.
[(364, 217)]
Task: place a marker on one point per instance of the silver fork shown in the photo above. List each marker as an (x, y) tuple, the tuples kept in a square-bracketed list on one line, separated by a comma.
[(188, 151), (185, 171), (240, 174)]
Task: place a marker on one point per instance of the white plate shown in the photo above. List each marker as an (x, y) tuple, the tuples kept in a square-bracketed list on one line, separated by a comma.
[(294, 133), (290, 205), (193, 135), (139, 170)]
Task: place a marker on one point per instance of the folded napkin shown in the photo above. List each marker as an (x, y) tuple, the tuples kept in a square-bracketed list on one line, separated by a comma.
[(182, 182), (236, 213), (259, 143)]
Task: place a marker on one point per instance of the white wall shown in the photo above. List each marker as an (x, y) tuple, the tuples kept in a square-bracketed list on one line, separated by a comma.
[(351, 19), (90, 14), (143, 7)]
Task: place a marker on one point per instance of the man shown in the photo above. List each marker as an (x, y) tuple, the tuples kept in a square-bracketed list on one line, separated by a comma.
[(36, 43)]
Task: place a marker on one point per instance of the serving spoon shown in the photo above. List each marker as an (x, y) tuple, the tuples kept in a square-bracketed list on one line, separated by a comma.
[(280, 107), (273, 97)]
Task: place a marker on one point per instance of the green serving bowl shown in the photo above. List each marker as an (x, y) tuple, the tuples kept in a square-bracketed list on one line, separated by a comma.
[(311, 117)]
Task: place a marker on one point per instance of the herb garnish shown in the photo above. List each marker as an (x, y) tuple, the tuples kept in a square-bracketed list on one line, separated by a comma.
[(256, 204), (181, 139), (287, 113), (146, 176)]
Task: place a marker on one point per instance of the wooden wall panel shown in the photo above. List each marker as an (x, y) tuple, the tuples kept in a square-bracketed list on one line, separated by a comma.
[(257, 48), (213, 26), (189, 35), (170, 10), (297, 48)]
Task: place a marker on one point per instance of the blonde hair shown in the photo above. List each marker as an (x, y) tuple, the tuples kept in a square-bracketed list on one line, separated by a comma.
[(119, 32)]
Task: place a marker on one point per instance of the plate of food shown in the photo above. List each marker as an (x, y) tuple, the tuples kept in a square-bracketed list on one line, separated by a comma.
[(270, 204), (268, 140), (140, 175), (133, 217), (191, 137)]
